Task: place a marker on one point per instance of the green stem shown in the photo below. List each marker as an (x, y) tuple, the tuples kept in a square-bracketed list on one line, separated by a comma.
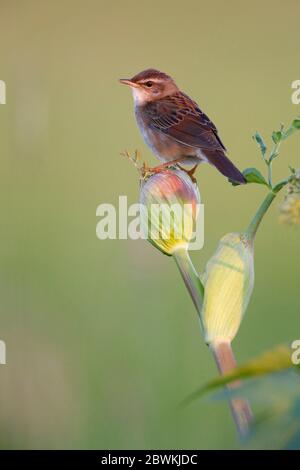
[(255, 222), (190, 278), (270, 178)]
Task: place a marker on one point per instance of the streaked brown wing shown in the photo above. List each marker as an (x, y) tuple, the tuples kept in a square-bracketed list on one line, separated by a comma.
[(181, 119)]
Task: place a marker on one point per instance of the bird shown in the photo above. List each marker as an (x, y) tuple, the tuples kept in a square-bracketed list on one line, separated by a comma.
[(174, 127)]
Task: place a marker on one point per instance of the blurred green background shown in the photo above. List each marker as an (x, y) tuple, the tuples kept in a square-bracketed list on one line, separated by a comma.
[(102, 339)]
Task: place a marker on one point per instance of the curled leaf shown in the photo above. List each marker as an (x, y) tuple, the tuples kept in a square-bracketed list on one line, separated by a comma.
[(253, 175), (276, 136), (260, 141), (296, 123)]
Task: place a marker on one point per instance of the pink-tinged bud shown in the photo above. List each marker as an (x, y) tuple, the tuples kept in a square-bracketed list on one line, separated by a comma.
[(169, 208)]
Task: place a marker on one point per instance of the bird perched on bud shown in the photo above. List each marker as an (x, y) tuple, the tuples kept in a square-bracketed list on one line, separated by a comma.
[(174, 127)]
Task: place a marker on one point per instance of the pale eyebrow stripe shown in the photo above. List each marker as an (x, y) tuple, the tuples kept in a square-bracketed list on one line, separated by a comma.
[(156, 80)]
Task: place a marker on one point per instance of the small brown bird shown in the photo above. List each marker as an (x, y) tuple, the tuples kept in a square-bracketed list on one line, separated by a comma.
[(174, 127)]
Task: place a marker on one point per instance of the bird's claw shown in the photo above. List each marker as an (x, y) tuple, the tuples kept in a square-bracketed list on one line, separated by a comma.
[(190, 172), (146, 171)]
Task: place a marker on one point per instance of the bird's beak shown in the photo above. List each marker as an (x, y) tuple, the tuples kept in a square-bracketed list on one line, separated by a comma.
[(126, 81)]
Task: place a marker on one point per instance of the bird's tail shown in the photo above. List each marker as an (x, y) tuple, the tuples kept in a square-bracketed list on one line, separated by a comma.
[(225, 166)]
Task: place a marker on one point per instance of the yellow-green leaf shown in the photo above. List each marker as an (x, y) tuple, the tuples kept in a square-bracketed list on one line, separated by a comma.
[(276, 360)]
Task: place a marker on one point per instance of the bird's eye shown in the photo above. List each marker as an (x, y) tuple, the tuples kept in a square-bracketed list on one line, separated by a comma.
[(148, 84)]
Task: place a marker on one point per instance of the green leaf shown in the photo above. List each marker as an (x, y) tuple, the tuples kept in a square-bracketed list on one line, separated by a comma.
[(293, 128), (276, 136), (276, 360), (296, 123), (276, 399), (258, 138), (280, 185), (253, 175)]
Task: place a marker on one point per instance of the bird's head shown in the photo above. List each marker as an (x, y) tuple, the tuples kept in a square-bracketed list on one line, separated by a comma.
[(150, 85)]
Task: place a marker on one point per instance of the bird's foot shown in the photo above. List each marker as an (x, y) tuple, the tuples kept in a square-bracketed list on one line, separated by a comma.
[(190, 172), (143, 168), (164, 166), (148, 171), (145, 171)]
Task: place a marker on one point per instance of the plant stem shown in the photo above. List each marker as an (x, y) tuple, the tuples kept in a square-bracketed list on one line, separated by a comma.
[(274, 154), (240, 407), (270, 178), (255, 222), (190, 278)]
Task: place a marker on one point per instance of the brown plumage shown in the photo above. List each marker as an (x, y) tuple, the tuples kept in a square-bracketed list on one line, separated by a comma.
[(174, 126)]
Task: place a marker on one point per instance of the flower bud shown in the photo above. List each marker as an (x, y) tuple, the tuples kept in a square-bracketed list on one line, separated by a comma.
[(169, 207), (228, 284)]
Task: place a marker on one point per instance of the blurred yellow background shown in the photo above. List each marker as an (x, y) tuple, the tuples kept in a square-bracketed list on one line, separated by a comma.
[(102, 339)]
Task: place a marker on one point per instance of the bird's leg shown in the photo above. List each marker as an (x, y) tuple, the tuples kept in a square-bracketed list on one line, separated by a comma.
[(146, 171), (166, 165), (190, 172), (143, 168)]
